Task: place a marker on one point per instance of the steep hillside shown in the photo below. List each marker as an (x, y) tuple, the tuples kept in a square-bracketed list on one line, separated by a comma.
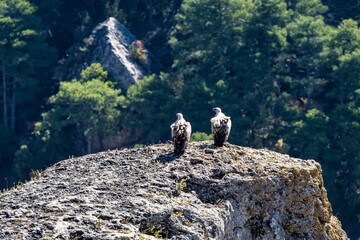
[(207, 193)]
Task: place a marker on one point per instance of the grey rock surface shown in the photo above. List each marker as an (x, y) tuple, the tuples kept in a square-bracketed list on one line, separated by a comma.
[(108, 45), (208, 192)]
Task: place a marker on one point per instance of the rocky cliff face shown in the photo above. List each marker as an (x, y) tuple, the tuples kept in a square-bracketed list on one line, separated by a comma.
[(108, 45), (209, 192)]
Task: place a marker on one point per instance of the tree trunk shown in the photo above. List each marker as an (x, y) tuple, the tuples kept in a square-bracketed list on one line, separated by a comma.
[(100, 139), (13, 104), (88, 141), (5, 116)]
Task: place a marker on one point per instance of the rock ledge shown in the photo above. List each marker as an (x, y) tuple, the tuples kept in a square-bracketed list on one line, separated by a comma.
[(149, 193)]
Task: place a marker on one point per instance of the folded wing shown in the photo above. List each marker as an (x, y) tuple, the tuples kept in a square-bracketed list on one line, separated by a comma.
[(220, 128), (181, 132)]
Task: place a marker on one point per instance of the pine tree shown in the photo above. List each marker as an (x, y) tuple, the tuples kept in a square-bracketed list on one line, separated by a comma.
[(342, 163), (152, 106), (344, 56), (202, 47), (86, 109), (257, 72), (307, 36), (23, 52)]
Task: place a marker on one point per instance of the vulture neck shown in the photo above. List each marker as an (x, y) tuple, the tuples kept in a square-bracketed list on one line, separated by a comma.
[(180, 119), (219, 114)]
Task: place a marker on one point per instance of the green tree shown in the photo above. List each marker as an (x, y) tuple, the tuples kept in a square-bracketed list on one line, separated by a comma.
[(309, 139), (227, 54), (200, 136), (257, 64), (89, 107), (342, 164), (313, 8), (23, 52), (344, 56), (113, 10), (340, 10), (205, 39), (49, 12), (152, 106), (307, 35)]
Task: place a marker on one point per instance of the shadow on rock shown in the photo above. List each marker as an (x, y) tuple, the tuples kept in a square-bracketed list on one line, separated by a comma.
[(207, 146), (168, 157)]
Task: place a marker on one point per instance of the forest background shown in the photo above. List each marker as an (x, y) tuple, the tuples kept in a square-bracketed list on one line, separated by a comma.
[(286, 71)]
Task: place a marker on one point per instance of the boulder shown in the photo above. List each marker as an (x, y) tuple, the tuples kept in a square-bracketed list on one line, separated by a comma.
[(223, 193)]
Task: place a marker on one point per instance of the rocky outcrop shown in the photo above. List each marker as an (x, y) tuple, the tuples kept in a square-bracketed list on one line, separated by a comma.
[(209, 192), (108, 45)]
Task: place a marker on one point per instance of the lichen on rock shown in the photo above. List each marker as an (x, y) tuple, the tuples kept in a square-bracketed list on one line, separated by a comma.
[(209, 192)]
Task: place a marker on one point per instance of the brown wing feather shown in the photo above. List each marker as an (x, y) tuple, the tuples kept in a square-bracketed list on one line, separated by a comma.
[(220, 130), (180, 137)]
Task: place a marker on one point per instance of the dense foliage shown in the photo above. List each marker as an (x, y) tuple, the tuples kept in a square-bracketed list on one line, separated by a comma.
[(286, 71)]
